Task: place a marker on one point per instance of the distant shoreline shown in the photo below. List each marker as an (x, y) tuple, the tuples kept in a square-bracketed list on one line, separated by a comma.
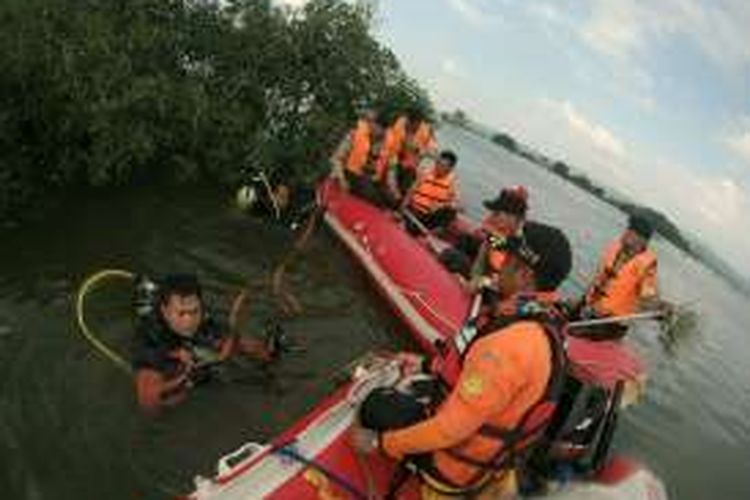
[(662, 224)]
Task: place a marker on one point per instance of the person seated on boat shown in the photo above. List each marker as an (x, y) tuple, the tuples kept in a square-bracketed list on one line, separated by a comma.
[(477, 255), (505, 393), (355, 162), (285, 202), (625, 281), (419, 144), (434, 197), (178, 340)]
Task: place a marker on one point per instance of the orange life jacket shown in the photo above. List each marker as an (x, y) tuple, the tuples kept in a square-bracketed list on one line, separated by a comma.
[(432, 192), (393, 144), (399, 127), (538, 342), (617, 291), (410, 156), (361, 142), (423, 139)]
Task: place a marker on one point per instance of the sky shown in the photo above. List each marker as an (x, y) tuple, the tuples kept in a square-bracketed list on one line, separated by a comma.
[(651, 98)]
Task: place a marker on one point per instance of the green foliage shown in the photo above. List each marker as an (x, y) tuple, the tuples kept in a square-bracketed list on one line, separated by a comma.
[(505, 141), (560, 168), (124, 92)]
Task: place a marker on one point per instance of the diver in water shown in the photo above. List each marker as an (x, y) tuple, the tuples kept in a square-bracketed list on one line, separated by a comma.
[(282, 201), (178, 341)]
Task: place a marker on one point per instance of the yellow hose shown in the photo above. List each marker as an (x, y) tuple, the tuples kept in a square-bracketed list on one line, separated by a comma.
[(85, 330)]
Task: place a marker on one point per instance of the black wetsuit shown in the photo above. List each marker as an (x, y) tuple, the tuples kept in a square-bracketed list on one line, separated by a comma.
[(301, 203), (155, 340)]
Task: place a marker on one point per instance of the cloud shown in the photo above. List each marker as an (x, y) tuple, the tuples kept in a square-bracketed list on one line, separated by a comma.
[(740, 145), (738, 140), (549, 13), (598, 135), (627, 29), (475, 12), (714, 206), (711, 203), (625, 79), (616, 28), (450, 67), (589, 134)]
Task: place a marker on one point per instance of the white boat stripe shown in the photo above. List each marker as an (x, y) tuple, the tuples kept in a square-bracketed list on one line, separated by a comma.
[(417, 321), (271, 472)]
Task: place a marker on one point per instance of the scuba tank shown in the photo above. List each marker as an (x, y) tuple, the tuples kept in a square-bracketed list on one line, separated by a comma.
[(145, 296), (578, 440)]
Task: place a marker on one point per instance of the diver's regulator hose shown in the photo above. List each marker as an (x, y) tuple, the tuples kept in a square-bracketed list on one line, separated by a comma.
[(83, 291)]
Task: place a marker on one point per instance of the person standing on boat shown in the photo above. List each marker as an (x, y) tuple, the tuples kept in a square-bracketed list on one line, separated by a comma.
[(625, 281), (420, 143), (434, 197), (177, 340), (503, 226), (355, 162), (506, 390), (394, 141), (424, 139), (478, 254)]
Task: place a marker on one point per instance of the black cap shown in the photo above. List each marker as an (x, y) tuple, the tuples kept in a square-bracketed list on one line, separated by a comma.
[(181, 284), (641, 226), (449, 157), (547, 251), (512, 200)]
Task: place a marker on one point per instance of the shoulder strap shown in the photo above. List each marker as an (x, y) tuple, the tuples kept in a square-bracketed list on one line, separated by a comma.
[(535, 420)]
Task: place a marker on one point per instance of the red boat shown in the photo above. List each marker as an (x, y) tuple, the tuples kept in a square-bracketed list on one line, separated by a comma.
[(314, 458), (430, 300)]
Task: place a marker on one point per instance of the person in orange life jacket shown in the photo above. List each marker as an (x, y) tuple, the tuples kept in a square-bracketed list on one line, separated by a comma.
[(473, 256), (465, 445), (177, 339), (626, 280), (424, 139), (393, 143), (419, 144), (434, 197), (353, 153), (354, 163), (479, 251)]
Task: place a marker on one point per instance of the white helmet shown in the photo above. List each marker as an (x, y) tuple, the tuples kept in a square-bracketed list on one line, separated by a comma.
[(246, 197)]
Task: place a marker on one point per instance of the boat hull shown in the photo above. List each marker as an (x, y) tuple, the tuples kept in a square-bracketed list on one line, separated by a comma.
[(315, 457), (432, 302)]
